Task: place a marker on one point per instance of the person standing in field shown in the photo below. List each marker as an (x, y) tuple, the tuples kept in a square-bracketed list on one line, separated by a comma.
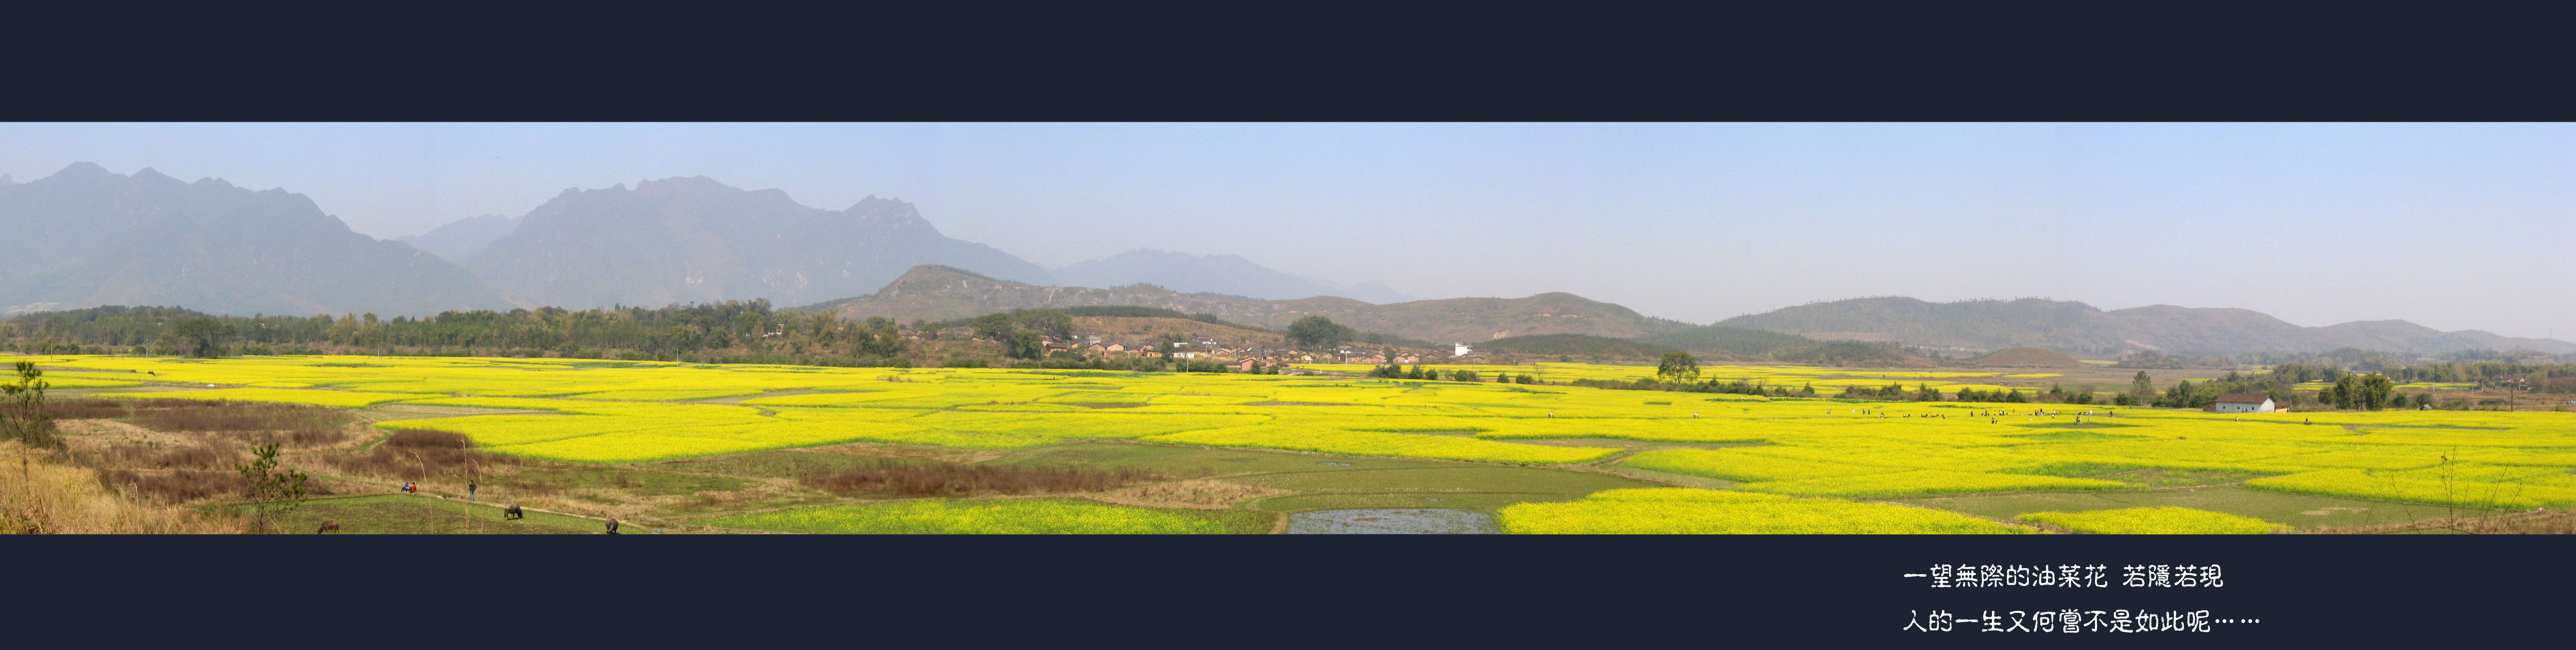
[(469, 490)]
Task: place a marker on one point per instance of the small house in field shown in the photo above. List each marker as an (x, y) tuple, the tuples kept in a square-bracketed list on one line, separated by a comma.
[(2243, 403), (1247, 365), (1408, 358)]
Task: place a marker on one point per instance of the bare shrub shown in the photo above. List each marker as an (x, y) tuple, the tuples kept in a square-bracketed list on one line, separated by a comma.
[(199, 456), (176, 486), (418, 454), (939, 478)]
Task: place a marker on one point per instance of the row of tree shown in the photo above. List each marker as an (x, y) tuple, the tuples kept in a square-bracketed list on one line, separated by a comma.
[(1396, 371)]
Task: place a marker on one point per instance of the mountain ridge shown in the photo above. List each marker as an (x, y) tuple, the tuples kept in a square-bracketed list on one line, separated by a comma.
[(693, 239), (87, 236), (457, 240), (2072, 326), (1221, 274)]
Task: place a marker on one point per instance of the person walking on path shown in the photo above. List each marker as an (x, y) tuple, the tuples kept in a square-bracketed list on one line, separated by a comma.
[(469, 490)]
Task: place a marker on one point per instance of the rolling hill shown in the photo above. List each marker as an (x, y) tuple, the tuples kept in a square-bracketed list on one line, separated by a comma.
[(938, 293)]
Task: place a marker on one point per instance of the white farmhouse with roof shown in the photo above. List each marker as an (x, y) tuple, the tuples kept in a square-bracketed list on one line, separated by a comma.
[(2243, 403), (1462, 349)]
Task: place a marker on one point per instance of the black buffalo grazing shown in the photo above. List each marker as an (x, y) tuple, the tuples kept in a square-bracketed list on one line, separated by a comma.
[(513, 512), (612, 525), (328, 526)]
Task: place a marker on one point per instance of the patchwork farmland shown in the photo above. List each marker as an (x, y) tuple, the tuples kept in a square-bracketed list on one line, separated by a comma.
[(672, 447)]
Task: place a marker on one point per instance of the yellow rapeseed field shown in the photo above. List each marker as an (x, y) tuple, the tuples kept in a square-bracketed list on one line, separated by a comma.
[(625, 412)]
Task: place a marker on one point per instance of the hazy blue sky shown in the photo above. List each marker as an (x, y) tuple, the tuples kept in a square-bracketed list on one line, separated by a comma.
[(2452, 226)]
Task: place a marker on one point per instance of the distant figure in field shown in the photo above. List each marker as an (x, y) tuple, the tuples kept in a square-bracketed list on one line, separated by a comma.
[(612, 525), (328, 526), (410, 487), (513, 512), (469, 490)]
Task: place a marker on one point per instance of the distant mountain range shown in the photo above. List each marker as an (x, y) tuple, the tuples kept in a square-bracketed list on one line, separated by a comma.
[(86, 237), (1985, 325), (938, 293), (1220, 274), (696, 240), (462, 238)]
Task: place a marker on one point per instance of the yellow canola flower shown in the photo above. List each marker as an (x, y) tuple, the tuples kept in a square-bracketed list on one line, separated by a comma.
[(1688, 511), (2166, 520)]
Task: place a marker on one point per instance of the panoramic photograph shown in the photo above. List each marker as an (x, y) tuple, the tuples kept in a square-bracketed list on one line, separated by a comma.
[(1287, 328)]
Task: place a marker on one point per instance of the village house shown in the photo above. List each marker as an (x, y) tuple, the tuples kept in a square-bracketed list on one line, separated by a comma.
[(1408, 358), (2243, 403)]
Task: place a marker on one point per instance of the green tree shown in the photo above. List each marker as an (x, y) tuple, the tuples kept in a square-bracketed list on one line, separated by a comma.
[(1678, 366), (202, 337), (2372, 391), (22, 409), (1050, 322), (272, 492), (1317, 332), (996, 326), (1022, 344), (2141, 387)]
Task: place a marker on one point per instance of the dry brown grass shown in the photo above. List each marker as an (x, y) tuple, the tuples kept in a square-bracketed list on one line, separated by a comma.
[(224, 416), (45, 496), (940, 478), (85, 408), (1201, 494)]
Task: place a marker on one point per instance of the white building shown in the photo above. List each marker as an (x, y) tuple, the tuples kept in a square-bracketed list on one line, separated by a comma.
[(1462, 350), (2243, 403)]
